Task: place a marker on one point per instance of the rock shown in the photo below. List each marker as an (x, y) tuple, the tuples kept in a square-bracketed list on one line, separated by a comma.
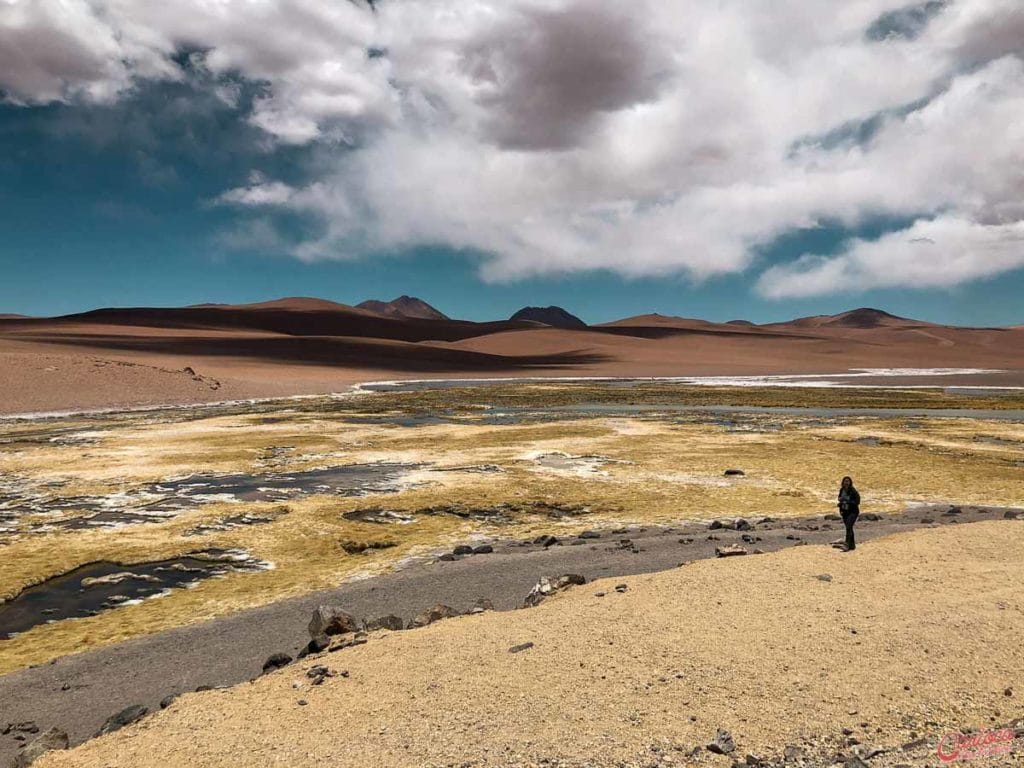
[(547, 586), (600, 594), (28, 726), (728, 525), (854, 762), (347, 640), (201, 688), (482, 604), (483, 549), (520, 648), (166, 701), (463, 549), (621, 587), (432, 614), (276, 661), (389, 622), (568, 580), (318, 674), (1008, 692), (53, 739), (316, 645), (729, 551), (547, 540), (590, 535), (125, 717), (824, 577), (954, 511), (1011, 514), (926, 521), (723, 743), (331, 620), (448, 557), (871, 517), (742, 525), (791, 753), (734, 473)]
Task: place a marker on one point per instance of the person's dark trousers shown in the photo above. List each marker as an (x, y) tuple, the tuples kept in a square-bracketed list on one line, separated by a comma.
[(849, 518)]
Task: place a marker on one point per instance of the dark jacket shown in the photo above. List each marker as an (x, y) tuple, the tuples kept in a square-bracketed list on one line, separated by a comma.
[(849, 501)]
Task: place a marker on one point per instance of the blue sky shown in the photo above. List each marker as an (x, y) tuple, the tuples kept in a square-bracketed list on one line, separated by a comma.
[(208, 170)]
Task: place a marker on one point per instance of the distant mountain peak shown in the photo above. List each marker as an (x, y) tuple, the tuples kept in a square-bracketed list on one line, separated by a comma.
[(556, 317), (866, 317), (403, 306)]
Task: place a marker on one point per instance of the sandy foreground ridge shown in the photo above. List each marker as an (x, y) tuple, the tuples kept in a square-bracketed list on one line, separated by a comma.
[(830, 658)]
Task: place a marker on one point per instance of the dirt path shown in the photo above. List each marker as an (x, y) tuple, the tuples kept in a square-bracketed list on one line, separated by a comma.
[(78, 693)]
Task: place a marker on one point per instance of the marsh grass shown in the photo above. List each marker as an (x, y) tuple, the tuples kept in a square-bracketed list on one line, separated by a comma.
[(663, 468)]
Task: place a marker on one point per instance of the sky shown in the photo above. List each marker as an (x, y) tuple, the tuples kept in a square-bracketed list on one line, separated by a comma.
[(757, 159)]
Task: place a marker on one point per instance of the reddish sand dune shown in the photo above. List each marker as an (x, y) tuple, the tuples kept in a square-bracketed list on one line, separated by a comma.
[(118, 357)]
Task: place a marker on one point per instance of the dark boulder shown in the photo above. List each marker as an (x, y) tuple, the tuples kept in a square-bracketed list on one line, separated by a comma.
[(734, 473), (463, 549), (166, 701), (125, 717), (483, 549), (547, 540), (590, 535), (331, 620), (432, 614), (389, 622), (276, 661)]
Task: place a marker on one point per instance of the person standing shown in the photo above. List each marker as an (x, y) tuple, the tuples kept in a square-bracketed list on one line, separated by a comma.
[(849, 508)]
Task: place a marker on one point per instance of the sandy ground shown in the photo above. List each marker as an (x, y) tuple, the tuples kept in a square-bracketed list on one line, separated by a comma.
[(78, 692), (758, 645)]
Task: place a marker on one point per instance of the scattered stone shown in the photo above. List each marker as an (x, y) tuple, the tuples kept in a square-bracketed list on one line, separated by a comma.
[(331, 620), (599, 594), (316, 645), (520, 648), (729, 551), (547, 586), (954, 511), (448, 557), (302, 703), (201, 688), (854, 762), (1011, 514), (318, 674), (734, 473), (1008, 692), (723, 743), (824, 577), (871, 517), (621, 587), (547, 540), (166, 701), (483, 549), (590, 535), (53, 739), (276, 661), (125, 717), (743, 525), (432, 614), (463, 549), (389, 622)]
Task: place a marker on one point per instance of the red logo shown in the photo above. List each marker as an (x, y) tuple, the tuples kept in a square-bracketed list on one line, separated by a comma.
[(970, 746)]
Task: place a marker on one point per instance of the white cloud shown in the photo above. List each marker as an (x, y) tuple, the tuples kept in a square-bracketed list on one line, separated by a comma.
[(937, 253), (669, 136)]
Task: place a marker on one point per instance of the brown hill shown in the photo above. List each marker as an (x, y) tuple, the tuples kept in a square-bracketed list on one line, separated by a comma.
[(556, 317), (403, 306), (124, 356)]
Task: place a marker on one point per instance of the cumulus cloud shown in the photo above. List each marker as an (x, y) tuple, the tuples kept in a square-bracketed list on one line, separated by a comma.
[(553, 136)]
